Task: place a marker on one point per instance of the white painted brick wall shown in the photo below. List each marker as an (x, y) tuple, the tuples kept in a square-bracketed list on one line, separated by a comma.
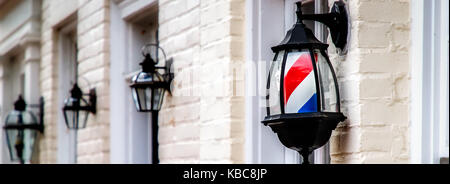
[(374, 85), (203, 121), (93, 25)]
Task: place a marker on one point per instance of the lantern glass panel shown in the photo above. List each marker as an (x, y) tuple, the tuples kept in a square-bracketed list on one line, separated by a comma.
[(158, 97), (147, 92), (142, 98), (134, 92), (273, 100), (26, 136), (327, 84), (74, 114), (299, 83)]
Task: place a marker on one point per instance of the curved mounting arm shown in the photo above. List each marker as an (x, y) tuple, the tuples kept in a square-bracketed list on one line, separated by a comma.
[(146, 47), (168, 74), (336, 21), (148, 64)]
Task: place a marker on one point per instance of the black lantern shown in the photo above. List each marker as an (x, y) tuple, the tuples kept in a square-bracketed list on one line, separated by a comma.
[(303, 104), (76, 109), (21, 128), (149, 85)]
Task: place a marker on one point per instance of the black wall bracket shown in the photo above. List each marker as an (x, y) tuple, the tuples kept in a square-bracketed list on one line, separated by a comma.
[(92, 100), (336, 21)]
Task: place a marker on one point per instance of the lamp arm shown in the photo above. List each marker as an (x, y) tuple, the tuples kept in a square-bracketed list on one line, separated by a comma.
[(168, 75), (92, 97), (336, 21), (92, 100), (154, 45), (329, 19), (86, 80)]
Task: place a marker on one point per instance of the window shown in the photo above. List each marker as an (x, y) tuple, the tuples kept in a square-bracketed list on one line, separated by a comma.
[(430, 82), (67, 61), (135, 23), (267, 24)]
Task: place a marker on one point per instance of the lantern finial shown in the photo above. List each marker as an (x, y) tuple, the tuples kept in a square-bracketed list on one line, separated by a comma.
[(148, 65), (76, 91), (20, 104), (299, 11)]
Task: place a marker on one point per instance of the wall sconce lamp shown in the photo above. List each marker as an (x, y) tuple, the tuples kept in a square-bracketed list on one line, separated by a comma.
[(148, 88), (149, 85), (303, 105), (76, 109), (21, 127)]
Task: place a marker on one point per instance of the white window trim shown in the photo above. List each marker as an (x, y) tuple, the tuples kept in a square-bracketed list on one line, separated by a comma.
[(118, 140), (67, 139), (427, 133), (444, 109), (130, 8), (416, 80)]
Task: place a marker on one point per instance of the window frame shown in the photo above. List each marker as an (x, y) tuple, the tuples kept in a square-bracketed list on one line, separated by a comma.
[(429, 81), (67, 66)]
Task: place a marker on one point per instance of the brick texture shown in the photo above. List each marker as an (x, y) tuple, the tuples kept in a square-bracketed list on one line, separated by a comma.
[(203, 120), (93, 65), (374, 84)]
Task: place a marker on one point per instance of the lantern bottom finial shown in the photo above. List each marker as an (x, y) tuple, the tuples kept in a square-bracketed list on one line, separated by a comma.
[(305, 156)]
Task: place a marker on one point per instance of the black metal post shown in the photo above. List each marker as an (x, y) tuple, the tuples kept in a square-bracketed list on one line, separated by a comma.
[(155, 144), (19, 150), (41, 114), (305, 155), (19, 145)]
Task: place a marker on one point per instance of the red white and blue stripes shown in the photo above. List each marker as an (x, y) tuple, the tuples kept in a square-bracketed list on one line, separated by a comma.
[(299, 84)]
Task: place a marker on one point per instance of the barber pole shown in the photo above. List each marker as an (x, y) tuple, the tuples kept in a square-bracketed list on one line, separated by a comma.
[(300, 94)]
